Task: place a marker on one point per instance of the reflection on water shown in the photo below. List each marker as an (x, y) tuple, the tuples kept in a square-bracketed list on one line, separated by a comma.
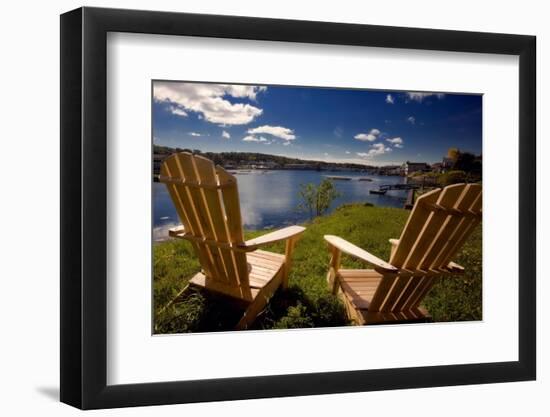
[(269, 198)]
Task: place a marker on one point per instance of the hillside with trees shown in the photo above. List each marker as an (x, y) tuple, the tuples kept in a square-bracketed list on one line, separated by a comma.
[(239, 159)]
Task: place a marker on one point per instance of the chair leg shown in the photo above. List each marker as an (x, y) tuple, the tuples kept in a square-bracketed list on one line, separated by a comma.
[(332, 279), (353, 314), (259, 303), (252, 311)]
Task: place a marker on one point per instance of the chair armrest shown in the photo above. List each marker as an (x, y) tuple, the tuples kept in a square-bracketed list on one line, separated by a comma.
[(359, 253), (178, 231), (273, 237), (248, 246), (394, 242), (455, 267)]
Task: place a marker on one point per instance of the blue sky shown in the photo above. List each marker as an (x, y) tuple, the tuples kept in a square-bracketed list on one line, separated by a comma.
[(371, 127)]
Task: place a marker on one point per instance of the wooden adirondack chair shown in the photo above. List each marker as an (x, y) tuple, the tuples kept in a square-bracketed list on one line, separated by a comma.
[(439, 224), (207, 201)]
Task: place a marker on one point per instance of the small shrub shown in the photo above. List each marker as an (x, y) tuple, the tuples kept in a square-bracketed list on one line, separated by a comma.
[(316, 200), (329, 312), (297, 318), (452, 177)]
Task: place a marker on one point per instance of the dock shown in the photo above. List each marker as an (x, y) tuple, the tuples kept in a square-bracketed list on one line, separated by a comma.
[(344, 178), (339, 178), (410, 188), (409, 204), (383, 189)]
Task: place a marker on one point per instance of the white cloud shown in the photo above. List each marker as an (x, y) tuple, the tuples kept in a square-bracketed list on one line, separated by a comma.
[(411, 120), (225, 135), (390, 99), (365, 137), (348, 152), (252, 138), (177, 111), (244, 91), (395, 141), (419, 97), (286, 143), (277, 131), (368, 137), (376, 149), (207, 100), (196, 134)]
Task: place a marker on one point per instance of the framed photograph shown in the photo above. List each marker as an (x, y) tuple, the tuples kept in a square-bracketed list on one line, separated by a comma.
[(245, 199)]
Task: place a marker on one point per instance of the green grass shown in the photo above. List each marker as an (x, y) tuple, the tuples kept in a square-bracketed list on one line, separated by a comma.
[(307, 302)]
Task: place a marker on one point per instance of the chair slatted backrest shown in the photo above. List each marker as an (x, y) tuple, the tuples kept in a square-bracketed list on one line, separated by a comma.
[(207, 201), (438, 226)]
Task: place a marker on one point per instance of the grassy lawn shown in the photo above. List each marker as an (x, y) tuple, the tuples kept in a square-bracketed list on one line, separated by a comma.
[(308, 302)]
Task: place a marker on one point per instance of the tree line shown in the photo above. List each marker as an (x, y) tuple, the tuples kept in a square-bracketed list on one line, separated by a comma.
[(250, 158)]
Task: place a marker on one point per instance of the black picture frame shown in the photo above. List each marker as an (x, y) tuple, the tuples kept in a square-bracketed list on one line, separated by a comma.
[(84, 207)]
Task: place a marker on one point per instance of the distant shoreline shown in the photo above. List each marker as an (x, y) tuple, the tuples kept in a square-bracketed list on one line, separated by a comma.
[(245, 171)]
